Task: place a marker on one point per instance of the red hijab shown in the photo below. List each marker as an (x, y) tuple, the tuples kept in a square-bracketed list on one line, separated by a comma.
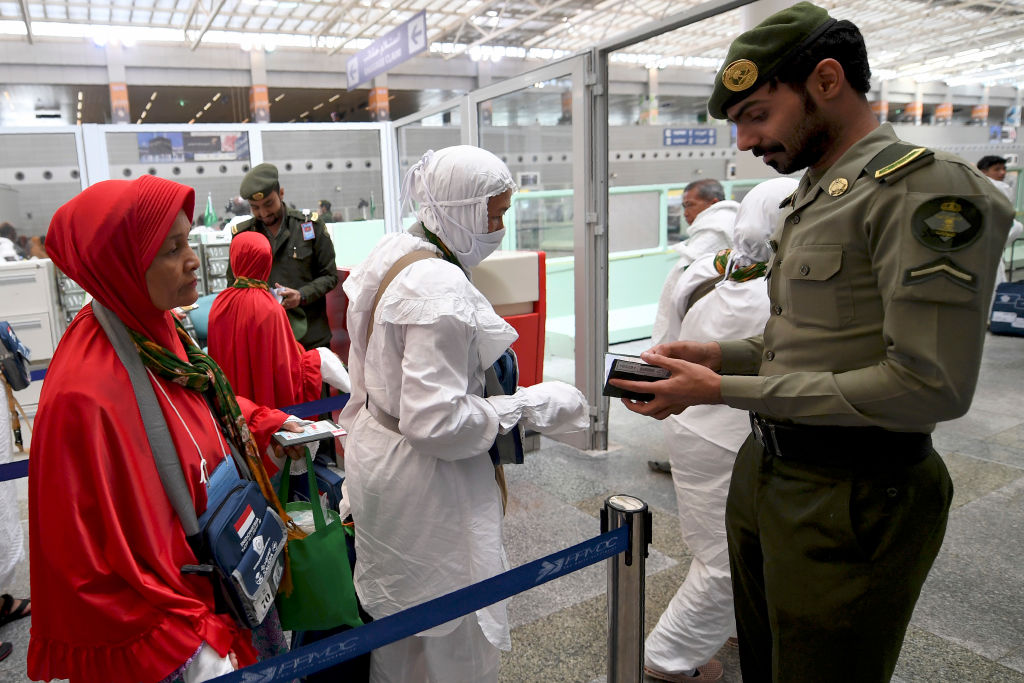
[(106, 238), (250, 337), (109, 602)]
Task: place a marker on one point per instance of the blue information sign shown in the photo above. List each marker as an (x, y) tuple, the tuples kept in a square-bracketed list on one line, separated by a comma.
[(690, 136), (391, 49)]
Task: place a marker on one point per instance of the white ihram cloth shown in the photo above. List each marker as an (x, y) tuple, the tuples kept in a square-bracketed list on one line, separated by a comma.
[(711, 232), (699, 617)]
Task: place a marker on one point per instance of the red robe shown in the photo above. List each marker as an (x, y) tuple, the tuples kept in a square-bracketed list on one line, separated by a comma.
[(108, 600), (250, 338)]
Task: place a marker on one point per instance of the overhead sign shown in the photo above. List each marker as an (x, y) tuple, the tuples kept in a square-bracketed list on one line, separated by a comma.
[(388, 51), (673, 137)]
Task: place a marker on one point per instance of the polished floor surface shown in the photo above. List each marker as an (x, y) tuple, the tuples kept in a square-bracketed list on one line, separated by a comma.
[(969, 622)]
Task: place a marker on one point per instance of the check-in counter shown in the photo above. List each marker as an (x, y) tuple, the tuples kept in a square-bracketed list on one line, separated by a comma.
[(514, 283)]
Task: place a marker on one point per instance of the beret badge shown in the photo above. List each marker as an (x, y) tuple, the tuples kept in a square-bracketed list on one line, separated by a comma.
[(739, 75)]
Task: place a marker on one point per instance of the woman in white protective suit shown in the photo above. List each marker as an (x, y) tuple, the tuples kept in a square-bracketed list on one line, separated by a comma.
[(420, 482), (699, 618)]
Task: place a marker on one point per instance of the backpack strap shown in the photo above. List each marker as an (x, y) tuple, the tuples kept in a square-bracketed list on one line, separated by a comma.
[(396, 268)]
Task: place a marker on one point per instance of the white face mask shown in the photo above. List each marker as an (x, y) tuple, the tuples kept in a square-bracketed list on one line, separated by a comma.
[(480, 248)]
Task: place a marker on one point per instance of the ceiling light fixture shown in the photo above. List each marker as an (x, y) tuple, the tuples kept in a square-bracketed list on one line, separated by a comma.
[(334, 98), (153, 96), (216, 97), (279, 97), (318, 106)]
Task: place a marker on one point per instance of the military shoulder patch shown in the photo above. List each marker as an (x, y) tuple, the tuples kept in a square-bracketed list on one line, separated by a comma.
[(947, 223), (897, 160), (943, 267)]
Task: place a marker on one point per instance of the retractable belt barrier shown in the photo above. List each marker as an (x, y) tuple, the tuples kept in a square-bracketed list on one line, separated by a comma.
[(19, 468), (344, 646)]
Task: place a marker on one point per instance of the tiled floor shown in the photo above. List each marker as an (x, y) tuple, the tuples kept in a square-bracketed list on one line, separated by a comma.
[(969, 623)]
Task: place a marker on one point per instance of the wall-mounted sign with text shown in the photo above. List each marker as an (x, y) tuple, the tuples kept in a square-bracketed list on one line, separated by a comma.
[(172, 146), (674, 137), (388, 51)]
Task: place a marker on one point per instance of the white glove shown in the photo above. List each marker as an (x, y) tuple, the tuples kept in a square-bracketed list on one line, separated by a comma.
[(333, 372), (548, 408)]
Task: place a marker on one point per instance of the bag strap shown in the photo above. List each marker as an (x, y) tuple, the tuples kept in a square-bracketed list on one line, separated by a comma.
[(703, 289), (319, 518), (396, 268), (159, 436)]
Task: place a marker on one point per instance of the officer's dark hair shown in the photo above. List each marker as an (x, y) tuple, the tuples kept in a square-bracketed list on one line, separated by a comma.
[(707, 189), (842, 42), (989, 161), (326, 204)]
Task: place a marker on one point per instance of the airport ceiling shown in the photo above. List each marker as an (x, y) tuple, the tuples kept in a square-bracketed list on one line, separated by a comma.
[(959, 42)]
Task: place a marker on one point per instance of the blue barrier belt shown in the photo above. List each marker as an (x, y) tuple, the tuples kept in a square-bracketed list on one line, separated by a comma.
[(37, 374), (344, 646), (14, 470), (318, 407)]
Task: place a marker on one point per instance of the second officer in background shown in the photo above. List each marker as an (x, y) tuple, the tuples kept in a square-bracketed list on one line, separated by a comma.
[(304, 266)]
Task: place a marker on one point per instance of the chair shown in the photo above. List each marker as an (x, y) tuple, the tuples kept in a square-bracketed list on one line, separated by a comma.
[(200, 317)]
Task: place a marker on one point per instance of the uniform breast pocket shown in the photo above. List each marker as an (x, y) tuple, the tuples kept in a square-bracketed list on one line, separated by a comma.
[(819, 295)]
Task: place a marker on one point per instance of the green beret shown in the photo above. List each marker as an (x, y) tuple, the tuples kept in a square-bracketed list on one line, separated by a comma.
[(260, 181), (756, 56)]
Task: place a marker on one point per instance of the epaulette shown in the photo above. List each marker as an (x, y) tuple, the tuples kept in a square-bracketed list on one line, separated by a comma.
[(897, 160), (242, 226)]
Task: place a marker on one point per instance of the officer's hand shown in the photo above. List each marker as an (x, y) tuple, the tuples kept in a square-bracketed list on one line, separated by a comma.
[(690, 384), (708, 354), (290, 298)]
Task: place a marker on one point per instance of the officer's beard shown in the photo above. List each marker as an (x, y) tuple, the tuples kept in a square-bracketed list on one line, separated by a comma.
[(808, 144)]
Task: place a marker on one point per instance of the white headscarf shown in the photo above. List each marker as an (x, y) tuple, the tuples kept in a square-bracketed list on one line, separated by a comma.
[(756, 219), (452, 187)]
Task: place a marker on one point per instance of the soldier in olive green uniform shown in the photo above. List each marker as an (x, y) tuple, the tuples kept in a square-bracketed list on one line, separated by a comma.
[(304, 264), (880, 282)]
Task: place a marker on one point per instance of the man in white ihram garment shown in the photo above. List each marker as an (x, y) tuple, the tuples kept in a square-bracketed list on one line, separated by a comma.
[(705, 439), (421, 485), (710, 218)]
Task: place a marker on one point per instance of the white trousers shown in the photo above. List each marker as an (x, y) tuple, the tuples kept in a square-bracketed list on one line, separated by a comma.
[(699, 618), (462, 656)]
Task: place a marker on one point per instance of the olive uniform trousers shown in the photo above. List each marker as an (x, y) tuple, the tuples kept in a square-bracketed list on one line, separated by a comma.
[(828, 559)]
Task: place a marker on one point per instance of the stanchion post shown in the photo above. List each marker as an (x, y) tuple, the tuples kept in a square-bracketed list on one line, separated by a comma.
[(626, 588)]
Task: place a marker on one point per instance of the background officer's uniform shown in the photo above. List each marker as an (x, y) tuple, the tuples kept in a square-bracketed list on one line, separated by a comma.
[(303, 260), (879, 287)]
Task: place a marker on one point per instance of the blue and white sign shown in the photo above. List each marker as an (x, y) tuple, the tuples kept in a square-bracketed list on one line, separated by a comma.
[(674, 137), (391, 49)]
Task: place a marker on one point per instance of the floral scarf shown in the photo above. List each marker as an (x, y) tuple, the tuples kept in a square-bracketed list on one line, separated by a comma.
[(247, 282), (754, 270)]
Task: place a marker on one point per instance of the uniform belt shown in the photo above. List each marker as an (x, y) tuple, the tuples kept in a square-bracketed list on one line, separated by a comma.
[(839, 446), (383, 419)]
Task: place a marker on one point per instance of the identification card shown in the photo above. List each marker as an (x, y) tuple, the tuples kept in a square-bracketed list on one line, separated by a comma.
[(314, 431), (307, 231)]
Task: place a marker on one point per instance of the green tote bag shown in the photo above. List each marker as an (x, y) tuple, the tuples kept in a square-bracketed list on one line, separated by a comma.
[(322, 595)]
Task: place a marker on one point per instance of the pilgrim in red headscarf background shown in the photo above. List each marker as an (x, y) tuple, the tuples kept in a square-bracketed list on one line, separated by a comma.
[(250, 338), (109, 600)]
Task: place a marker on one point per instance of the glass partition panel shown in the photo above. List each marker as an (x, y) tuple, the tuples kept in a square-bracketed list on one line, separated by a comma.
[(341, 166), (39, 171), (531, 129), (211, 162), (435, 131)]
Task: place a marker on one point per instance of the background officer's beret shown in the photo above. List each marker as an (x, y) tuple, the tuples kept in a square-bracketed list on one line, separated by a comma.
[(261, 181), (756, 56)]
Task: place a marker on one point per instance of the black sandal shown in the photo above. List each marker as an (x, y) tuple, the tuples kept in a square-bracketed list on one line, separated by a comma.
[(7, 615), (5, 650)]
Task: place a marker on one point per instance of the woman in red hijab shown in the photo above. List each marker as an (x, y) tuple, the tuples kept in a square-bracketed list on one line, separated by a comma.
[(109, 602), (250, 337)]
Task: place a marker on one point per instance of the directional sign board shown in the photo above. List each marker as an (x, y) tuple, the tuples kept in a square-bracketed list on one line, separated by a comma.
[(391, 49), (689, 136)]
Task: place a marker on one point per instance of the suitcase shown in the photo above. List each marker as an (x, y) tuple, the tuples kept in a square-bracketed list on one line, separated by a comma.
[(1007, 315)]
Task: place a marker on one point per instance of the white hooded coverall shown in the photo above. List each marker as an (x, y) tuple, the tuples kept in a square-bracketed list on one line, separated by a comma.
[(427, 510), (699, 618)]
